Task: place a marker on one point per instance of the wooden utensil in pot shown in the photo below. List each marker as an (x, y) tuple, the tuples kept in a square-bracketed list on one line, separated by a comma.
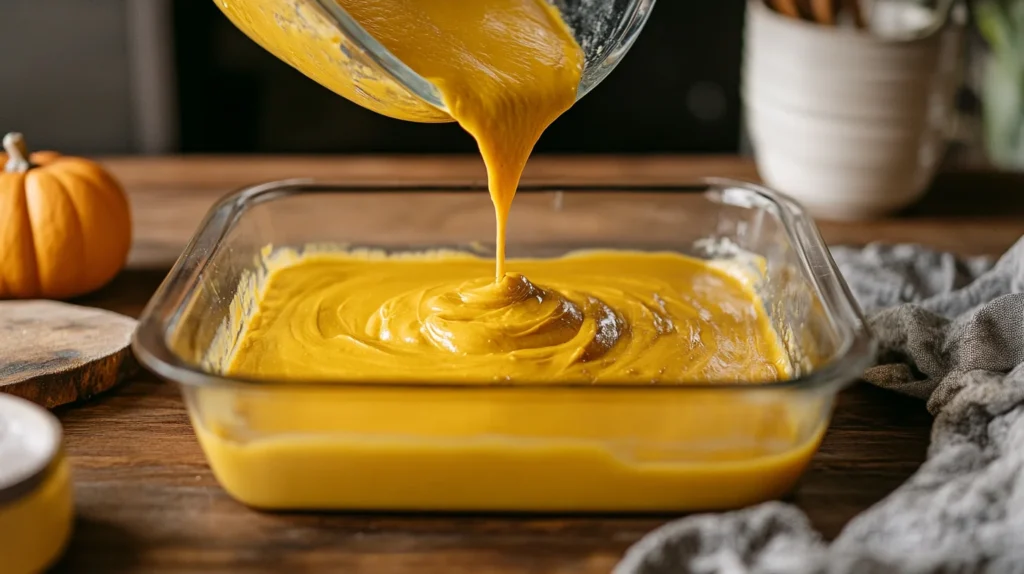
[(785, 7), (824, 11)]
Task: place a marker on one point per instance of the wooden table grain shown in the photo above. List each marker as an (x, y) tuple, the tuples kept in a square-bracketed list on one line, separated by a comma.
[(147, 502)]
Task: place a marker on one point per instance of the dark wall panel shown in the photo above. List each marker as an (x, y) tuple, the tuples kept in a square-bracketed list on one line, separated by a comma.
[(676, 91)]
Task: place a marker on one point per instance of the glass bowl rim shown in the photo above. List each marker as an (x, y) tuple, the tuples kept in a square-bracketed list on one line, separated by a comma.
[(621, 41), (150, 347)]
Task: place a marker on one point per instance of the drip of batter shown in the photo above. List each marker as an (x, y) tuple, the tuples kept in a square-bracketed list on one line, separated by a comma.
[(505, 69), (601, 316)]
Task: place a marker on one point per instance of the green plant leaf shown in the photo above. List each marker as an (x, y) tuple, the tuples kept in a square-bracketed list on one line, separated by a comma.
[(994, 24)]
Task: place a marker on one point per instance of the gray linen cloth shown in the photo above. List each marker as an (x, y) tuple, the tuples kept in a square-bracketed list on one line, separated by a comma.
[(951, 332)]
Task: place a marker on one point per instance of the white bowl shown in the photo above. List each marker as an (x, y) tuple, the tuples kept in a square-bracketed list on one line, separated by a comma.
[(850, 124), (797, 87), (818, 138), (841, 168), (841, 192)]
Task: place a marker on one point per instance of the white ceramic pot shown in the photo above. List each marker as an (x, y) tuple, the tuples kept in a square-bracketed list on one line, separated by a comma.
[(853, 125), (829, 92)]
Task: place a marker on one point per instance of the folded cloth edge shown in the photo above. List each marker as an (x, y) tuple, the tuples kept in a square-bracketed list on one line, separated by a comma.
[(951, 331)]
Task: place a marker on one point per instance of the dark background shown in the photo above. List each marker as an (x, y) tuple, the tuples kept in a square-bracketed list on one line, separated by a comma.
[(125, 77), (676, 91)]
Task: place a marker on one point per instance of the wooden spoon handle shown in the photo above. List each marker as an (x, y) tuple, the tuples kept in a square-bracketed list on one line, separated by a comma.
[(804, 7), (824, 11), (786, 7)]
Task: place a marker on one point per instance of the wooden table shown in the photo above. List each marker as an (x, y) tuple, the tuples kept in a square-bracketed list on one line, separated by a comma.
[(147, 502)]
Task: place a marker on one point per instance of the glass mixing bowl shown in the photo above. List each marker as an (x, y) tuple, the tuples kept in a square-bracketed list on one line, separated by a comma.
[(446, 446), (325, 44)]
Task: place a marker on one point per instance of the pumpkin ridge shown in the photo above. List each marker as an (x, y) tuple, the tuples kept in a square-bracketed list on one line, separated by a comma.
[(3, 284), (34, 267), (69, 275), (110, 194), (88, 265), (111, 187)]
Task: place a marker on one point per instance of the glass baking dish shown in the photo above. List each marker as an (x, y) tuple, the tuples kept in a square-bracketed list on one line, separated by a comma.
[(450, 447)]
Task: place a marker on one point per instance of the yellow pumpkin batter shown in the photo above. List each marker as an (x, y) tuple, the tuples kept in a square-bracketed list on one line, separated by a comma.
[(605, 316), (594, 316)]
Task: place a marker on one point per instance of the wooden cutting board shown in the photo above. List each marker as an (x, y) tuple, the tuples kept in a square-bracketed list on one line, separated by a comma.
[(54, 353)]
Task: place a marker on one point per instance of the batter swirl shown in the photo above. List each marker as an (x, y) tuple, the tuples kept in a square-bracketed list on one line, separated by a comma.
[(587, 317)]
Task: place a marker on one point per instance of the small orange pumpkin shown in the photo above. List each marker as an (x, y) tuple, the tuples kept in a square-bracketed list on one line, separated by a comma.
[(65, 226)]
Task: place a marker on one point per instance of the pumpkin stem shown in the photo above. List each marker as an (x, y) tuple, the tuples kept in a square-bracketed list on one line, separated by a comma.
[(17, 153)]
